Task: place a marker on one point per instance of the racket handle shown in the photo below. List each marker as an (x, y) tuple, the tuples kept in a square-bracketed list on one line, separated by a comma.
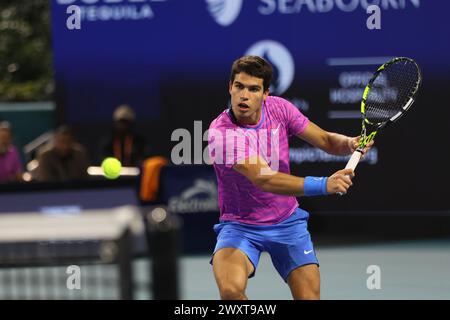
[(354, 160), (352, 163)]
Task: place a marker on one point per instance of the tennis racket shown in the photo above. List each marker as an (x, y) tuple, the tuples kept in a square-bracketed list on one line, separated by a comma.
[(389, 94)]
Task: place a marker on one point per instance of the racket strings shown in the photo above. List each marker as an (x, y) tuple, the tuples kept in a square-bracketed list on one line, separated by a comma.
[(391, 90)]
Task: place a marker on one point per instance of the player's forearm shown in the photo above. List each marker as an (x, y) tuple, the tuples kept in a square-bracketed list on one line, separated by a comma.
[(338, 144), (281, 183)]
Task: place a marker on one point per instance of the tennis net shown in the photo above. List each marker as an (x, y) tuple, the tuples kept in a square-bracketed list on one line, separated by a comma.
[(71, 256)]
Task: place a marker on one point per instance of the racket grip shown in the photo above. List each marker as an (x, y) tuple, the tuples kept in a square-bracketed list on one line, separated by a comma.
[(354, 160), (352, 163)]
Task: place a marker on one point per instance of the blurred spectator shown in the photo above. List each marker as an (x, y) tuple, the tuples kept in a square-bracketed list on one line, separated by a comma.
[(125, 144), (10, 164), (64, 160)]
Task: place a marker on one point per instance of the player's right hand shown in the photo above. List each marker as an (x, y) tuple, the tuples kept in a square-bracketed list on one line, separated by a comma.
[(340, 181)]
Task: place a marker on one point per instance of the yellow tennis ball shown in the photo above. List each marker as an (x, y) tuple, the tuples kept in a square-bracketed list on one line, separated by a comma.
[(111, 168)]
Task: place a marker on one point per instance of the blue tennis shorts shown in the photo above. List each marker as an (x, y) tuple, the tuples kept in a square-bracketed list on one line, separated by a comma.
[(288, 242)]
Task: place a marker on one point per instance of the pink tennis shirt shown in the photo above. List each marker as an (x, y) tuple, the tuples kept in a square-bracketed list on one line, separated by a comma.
[(230, 143)]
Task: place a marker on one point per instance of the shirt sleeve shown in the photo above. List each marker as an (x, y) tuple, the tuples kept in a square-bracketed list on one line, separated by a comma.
[(296, 121)]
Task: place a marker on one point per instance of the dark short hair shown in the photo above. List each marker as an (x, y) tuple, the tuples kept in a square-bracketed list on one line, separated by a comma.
[(254, 66)]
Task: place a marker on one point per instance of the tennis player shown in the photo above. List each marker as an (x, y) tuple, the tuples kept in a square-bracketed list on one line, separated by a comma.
[(248, 146)]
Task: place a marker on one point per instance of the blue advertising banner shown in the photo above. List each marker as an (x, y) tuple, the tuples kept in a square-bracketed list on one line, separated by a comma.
[(127, 51), (170, 60)]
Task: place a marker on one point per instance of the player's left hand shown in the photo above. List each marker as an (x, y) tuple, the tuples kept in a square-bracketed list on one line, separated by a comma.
[(354, 142)]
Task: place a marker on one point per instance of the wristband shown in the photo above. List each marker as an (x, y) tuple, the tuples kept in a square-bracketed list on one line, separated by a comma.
[(315, 186)]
